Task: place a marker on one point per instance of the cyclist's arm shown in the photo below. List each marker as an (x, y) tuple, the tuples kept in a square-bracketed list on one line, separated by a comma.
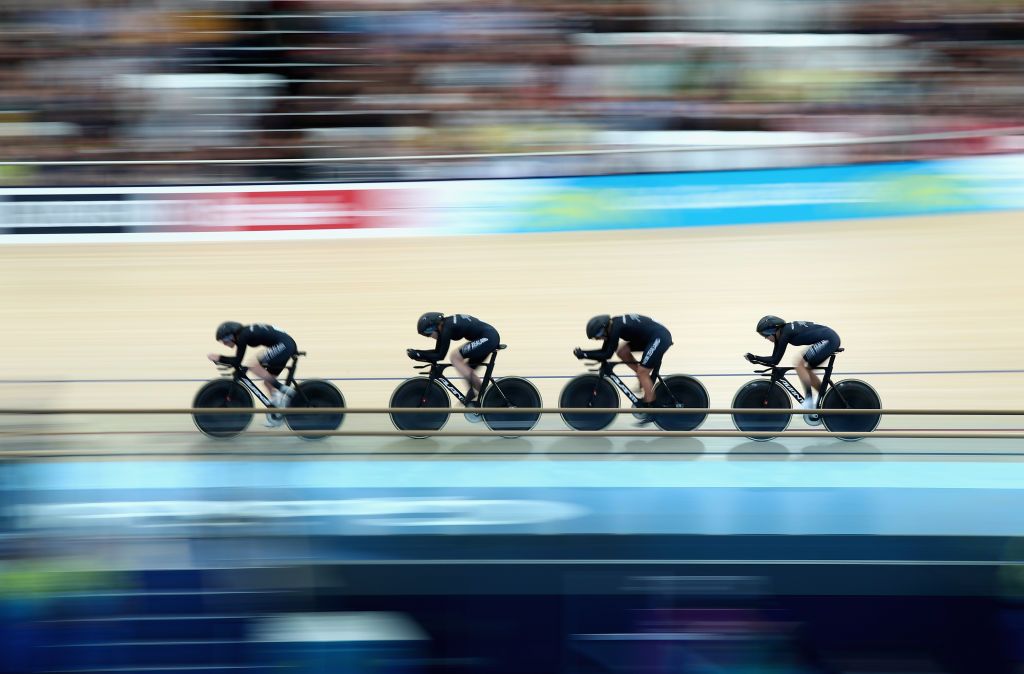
[(243, 342), (444, 339), (781, 342), (237, 358), (611, 342)]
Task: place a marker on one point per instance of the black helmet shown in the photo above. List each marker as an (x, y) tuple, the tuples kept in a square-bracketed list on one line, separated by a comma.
[(427, 323), (769, 324), (597, 326), (228, 329)]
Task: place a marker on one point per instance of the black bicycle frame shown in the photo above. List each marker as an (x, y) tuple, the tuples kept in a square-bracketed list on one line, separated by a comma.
[(606, 371), (241, 376), (778, 374), (437, 374)]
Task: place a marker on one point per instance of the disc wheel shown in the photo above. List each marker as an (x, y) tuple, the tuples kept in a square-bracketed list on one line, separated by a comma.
[(588, 391), (223, 394), (315, 393), (418, 393), (761, 394), (511, 392), (850, 394), (679, 391)]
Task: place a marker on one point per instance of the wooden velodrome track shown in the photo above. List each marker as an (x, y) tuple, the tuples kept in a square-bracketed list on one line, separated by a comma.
[(128, 325)]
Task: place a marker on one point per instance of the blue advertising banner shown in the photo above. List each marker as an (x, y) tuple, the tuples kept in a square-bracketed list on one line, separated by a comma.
[(770, 196)]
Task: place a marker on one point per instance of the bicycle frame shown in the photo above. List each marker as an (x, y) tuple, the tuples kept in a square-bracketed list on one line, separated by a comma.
[(778, 374), (241, 376), (606, 371), (436, 373)]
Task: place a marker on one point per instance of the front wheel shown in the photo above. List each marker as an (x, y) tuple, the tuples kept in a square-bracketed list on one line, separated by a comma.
[(315, 393), (588, 391), (761, 394), (679, 391), (511, 392), (221, 394), (417, 393), (851, 394)]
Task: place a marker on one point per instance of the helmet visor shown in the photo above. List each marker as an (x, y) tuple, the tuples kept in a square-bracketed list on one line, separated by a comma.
[(429, 330)]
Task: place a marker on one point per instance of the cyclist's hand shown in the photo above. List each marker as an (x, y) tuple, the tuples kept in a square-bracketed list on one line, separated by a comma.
[(215, 357), (751, 358), (414, 354), (578, 352)]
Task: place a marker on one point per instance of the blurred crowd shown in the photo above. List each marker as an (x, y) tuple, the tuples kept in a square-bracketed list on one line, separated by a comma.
[(345, 82)]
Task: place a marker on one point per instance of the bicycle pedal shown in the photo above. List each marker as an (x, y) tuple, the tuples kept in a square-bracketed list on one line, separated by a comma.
[(472, 417)]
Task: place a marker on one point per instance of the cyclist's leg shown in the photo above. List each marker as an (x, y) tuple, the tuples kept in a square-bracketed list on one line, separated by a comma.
[(646, 384), (807, 377), (811, 382), (463, 367), (270, 364), (266, 377), (625, 354), (472, 353), (650, 362), (815, 355)]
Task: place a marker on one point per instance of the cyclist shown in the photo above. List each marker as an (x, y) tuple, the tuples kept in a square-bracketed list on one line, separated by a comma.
[(823, 342), (280, 347), (483, 340), (639, 333)]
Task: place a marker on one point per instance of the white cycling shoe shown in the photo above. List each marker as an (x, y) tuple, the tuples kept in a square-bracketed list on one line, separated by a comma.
[(811, 419), (282, 396)]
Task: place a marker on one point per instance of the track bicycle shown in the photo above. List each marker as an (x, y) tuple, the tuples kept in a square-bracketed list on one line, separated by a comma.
[(773, 391), (236, 390), (596, 389), (432, 389)]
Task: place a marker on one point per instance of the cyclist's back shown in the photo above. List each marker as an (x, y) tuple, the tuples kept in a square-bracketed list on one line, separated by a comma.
[(637, 328), (262, 334), (802, 333), (464, 326)]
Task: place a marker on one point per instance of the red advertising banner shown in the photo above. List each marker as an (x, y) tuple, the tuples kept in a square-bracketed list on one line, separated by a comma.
[(255, 211)]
